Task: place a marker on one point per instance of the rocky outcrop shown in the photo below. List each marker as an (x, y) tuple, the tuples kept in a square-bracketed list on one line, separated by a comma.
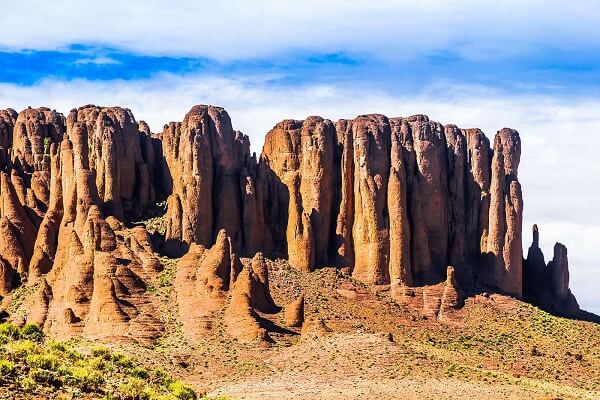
[(17, 232), (206, 277), (394, 201), (250, 296), (301, 154), (113, 150), (205, 158), (294, 313), (7, 123), (34, 132), (46, 241), (548, 285), (506, 213), (452, 297), (98, 283)]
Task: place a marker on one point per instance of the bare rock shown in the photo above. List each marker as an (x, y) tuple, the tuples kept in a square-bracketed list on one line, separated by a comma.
[(204, 156), (452, 297), (294, 313), (301, 154), (506, 214), (371, 137)]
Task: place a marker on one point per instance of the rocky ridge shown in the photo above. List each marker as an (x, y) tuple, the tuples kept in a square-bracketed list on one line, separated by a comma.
[(431, 213)]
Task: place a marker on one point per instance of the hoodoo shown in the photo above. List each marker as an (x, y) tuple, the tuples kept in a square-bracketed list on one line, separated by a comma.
[(392, 200)]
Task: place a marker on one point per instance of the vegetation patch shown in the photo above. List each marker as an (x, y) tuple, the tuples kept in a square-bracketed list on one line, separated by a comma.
[(32, 365)]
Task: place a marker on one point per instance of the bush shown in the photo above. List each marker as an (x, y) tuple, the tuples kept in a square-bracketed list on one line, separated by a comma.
[(139, 373), (133, 389), (42, 375), (9, 331), (122, 360), (56, 346), (85, 378), (101, 351), (161, 377), (182, 391), (22, 348), (27, 384), (44, 361), (32, 332), (7, 368)]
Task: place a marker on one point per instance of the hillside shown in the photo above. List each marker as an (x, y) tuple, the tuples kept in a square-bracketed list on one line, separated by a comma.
[(371, 346)]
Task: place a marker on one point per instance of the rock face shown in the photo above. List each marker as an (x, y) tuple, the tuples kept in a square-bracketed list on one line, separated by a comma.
[(408, 197), (7, 123), (122, 173), (294, 313), (394, 201), (205, 278), (301, 154), (205, 158), (548, 285)]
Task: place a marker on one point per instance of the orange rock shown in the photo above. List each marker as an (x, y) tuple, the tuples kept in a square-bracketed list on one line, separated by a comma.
[(301, 154), (294, 313), (371, 137), (204, 156)]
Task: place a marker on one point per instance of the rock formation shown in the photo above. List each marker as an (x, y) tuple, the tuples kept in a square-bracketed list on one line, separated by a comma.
[(294, 313), (301, 154), (394, 201), (7, 123), (114, 154), (205, 157), (205, 278), (548, 285)]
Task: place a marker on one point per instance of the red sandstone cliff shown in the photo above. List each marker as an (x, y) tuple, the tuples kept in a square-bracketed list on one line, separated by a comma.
[(393, 200)]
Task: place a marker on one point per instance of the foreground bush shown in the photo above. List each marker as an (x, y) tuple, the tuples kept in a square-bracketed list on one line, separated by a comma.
[(40, 366)]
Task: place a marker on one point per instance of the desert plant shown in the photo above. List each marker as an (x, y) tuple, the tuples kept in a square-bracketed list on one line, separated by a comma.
[(31, 332)]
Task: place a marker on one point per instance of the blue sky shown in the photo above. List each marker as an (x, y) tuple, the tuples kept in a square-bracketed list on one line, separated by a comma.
[(532, 65)]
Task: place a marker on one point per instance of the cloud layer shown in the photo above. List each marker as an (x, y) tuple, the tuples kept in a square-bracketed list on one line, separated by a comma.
[(230, 29), (558, 171)]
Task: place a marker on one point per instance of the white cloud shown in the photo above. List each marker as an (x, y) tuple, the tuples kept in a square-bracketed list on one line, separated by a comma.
[(231, 29), (102, 60), (559, 169)]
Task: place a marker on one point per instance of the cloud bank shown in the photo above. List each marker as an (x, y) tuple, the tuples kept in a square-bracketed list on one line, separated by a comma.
[(230, 29)]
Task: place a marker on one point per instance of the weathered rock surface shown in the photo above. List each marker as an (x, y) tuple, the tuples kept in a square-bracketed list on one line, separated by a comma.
[(301, 154), (393, 201), (7, 123), (294, 313), (548, 285), (113, 149), (206, 277), (205, 158)]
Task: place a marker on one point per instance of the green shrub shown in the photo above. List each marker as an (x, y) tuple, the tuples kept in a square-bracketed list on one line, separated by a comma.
[(101, 351), (85, 378), (139, 373), (133, 389), (56, 346), (22, 348), (9, 331), (122, 360), (42, 375), (7, 368), (160, 377), (98, 363), (44, 361), (182, 391), (32, 332), (27, 384)]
